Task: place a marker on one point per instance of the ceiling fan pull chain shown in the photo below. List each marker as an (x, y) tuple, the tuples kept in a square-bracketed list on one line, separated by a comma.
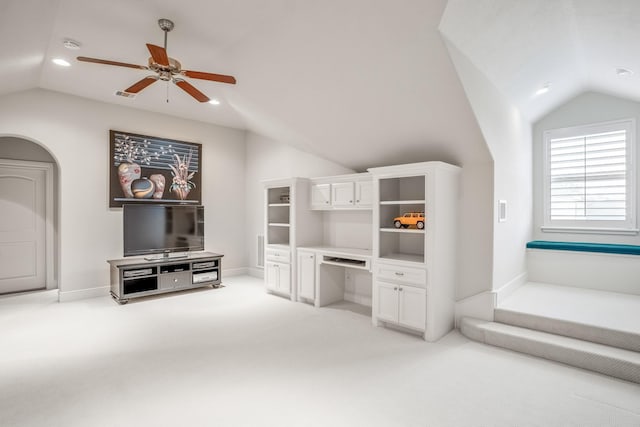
[(167, 90)]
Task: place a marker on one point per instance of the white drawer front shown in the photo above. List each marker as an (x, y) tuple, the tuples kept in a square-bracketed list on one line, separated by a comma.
[(402, 274), (278, 255)]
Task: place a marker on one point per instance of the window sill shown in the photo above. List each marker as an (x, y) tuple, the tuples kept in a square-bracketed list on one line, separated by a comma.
[(590, 230)]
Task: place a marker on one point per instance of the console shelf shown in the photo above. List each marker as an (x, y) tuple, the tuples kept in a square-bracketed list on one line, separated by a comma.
[(137, 277)]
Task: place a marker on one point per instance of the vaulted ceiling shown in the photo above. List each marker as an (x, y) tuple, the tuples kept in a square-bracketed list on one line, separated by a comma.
[(361, 82)]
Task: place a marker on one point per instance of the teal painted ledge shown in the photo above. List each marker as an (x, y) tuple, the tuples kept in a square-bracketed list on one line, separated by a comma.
[(606, 248)]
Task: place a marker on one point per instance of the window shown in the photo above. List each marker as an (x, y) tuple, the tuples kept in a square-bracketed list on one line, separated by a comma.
[(590, 178)]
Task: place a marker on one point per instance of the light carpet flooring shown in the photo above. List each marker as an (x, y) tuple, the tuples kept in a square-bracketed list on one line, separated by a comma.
[(237, 356)]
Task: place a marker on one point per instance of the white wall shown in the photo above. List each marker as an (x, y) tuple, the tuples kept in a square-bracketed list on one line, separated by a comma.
[(508, 136), (589, 107), (267, 159), (76, 132)]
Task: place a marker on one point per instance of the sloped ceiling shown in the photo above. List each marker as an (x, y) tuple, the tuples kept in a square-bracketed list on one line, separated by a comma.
[(360, 82), (575, 45)]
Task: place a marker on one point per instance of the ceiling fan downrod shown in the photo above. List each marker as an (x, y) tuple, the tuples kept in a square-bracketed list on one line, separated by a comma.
[(165, 25)]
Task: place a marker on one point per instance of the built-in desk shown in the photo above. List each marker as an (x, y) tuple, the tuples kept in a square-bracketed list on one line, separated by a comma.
[(321, 272)]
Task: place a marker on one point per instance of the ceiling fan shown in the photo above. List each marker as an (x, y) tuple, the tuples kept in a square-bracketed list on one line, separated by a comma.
[(166, 69)]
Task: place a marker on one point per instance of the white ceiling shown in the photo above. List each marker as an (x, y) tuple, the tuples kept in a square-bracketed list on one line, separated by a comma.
[(576, 45), (360, 82)]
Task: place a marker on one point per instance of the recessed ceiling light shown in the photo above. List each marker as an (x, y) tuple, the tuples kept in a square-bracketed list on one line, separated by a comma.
[(623, 72), (71, 44), (543, 89), (61, 62), (214, 102)]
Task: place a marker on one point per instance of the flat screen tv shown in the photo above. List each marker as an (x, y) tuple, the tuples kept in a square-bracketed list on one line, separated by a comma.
[(162, 229)]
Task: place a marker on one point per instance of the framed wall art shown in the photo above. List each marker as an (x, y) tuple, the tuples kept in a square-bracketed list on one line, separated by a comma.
[(148, 169)]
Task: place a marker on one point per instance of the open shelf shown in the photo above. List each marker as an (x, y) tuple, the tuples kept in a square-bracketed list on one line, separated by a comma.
[(396, 256), (403, 202), (278, 224), (401, 230), (279, 205), (406, 188), (404, 245)]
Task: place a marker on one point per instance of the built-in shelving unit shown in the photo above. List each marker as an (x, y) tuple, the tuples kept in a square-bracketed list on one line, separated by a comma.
[(411, 289), (398, 195), (286, 204), (278, 215)]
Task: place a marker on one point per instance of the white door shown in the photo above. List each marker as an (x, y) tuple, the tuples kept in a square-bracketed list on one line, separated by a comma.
[(413, 307), (306, 275), (386, 302), (271, 271), (284, 278), (342, 194), (22, 228)]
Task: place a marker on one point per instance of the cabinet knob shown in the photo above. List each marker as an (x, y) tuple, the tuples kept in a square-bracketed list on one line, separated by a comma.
[(400, 289), (395, 289), (398, 273), (175, 280)]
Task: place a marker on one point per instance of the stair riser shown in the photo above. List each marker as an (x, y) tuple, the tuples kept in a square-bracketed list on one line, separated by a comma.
[(619, 339), (594, 362)]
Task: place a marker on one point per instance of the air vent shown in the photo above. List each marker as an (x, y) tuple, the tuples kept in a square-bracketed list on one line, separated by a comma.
[(125, 94), (260, 261)]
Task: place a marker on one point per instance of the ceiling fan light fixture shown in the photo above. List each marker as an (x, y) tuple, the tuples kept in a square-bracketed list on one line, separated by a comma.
[(214, 102), (61, 62)]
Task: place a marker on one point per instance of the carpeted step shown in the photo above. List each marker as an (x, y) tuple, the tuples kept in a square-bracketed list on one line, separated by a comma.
[(612, 361)]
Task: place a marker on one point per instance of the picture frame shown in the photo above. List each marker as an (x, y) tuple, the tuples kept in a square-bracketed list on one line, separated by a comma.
[(149, 169)]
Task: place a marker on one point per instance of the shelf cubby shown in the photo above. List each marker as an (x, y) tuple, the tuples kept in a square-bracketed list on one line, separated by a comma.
[(402, 245)]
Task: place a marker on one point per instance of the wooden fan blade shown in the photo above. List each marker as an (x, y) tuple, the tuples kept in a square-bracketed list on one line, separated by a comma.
[(137, 87), (209, 76), (104, 61), (159, 54), (187, 87)]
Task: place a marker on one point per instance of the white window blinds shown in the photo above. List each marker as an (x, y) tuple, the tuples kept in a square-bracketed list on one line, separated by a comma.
[(588, 177)]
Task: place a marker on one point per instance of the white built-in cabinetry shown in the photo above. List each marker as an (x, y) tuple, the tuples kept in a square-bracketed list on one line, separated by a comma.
[(342, 192), (414, 269), (288, 221)]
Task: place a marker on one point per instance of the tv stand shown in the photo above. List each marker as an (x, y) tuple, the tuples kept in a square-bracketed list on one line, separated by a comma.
[(139, 277)]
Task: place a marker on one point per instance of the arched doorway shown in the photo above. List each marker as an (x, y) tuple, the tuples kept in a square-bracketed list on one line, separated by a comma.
[(28, 230)]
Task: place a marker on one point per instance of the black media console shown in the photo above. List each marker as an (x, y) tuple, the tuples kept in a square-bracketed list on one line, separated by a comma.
[(136, 277)]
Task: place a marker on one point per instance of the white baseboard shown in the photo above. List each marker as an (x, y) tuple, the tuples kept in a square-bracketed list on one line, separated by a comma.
[(235, 272), (479, 306), (510, 287), (66, 296), (256, 272)]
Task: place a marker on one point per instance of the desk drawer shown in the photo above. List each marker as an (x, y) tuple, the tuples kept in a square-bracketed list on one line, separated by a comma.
[(402, 274), (278, 255)]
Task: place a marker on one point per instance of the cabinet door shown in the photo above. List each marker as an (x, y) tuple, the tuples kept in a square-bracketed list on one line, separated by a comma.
[(342, 194), (284, 278), (271, 272), (364, 194), (307, 275), (320, 196), (413, 307), (386, 302)]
